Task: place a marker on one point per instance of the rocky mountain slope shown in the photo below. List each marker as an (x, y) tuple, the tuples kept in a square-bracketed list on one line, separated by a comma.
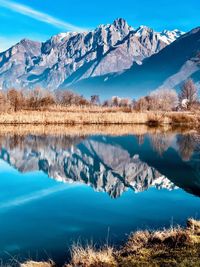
[(70, 57), (105, 167), (167, 69)]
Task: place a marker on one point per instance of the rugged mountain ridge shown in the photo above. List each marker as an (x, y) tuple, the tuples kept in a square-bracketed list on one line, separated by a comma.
[(167, 69), (70, 57)]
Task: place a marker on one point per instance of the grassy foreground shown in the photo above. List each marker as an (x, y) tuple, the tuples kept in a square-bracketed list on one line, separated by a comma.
[(173, 247), (98, 115)]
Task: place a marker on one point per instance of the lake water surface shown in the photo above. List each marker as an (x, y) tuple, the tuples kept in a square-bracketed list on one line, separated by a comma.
[(60, 189)]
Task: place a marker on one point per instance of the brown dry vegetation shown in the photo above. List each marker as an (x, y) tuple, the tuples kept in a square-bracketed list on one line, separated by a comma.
[(89, 256), (37, 264), (173, 247), (99, 115), (72, 117), (39, 106)]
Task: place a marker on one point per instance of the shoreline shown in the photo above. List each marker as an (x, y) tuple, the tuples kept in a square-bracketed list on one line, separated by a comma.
[(98, 116), (92, 129), (167, 247)]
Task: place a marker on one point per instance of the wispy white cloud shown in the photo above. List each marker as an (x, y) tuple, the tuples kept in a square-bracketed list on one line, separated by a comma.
[(40, 16)]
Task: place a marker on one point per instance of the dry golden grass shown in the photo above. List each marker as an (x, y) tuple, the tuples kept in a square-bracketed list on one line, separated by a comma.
[(191, 118), (72, 118), (76, 115), (86, 109), (172, 247), (90, 257), (37, 264), (194, 226), (173, 237)]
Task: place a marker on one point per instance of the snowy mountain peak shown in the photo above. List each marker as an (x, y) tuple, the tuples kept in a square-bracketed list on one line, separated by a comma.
[(165, 36), (142, 30), (70, 57), (170, 36)]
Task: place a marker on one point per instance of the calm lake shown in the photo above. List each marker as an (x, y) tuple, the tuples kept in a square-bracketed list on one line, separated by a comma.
[(59, 189)]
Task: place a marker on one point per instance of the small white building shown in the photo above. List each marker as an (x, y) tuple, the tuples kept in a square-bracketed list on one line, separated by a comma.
[(184, 103)]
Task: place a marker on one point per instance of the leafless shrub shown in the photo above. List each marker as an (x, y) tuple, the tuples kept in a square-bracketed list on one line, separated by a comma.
[(116, 101), (189, 93), (37, 99), (68, 98), (95, 100), (15, 99), (143, 104), (158, 100), (3, 104), (163, 99)]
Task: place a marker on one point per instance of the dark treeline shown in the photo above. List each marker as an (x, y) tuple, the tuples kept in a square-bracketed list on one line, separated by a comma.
[(158, 100)]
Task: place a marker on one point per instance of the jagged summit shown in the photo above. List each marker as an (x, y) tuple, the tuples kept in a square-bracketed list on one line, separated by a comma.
[(168, 68), (69, 57), (166, 36), (122, 24)]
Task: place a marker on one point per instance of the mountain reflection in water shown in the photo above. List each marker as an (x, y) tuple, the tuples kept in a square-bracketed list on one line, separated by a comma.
[(112, 164)]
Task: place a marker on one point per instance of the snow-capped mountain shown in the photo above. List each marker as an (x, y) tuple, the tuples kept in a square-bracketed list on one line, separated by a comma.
[(170, 36), (67, 58), (168, 68), (165, 36)]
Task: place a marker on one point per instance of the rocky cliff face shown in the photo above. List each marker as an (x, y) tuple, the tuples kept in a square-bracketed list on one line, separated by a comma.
[(169, 68), (105, 167), (70, 57)]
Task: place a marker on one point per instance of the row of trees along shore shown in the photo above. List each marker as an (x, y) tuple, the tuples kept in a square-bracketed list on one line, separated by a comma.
[(158, 100)]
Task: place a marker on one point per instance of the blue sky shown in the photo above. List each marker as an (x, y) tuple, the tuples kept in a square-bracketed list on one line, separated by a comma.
[(38, 20)]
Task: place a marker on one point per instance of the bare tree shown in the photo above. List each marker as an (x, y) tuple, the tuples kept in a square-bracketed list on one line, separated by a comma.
[(68, 98), (189, 93), (47, 100), (106, 103), (15, 99), (95, 100), (142, 104), (3, 104), (33, 98), (163, 99), (115, 101), (125, 102)]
